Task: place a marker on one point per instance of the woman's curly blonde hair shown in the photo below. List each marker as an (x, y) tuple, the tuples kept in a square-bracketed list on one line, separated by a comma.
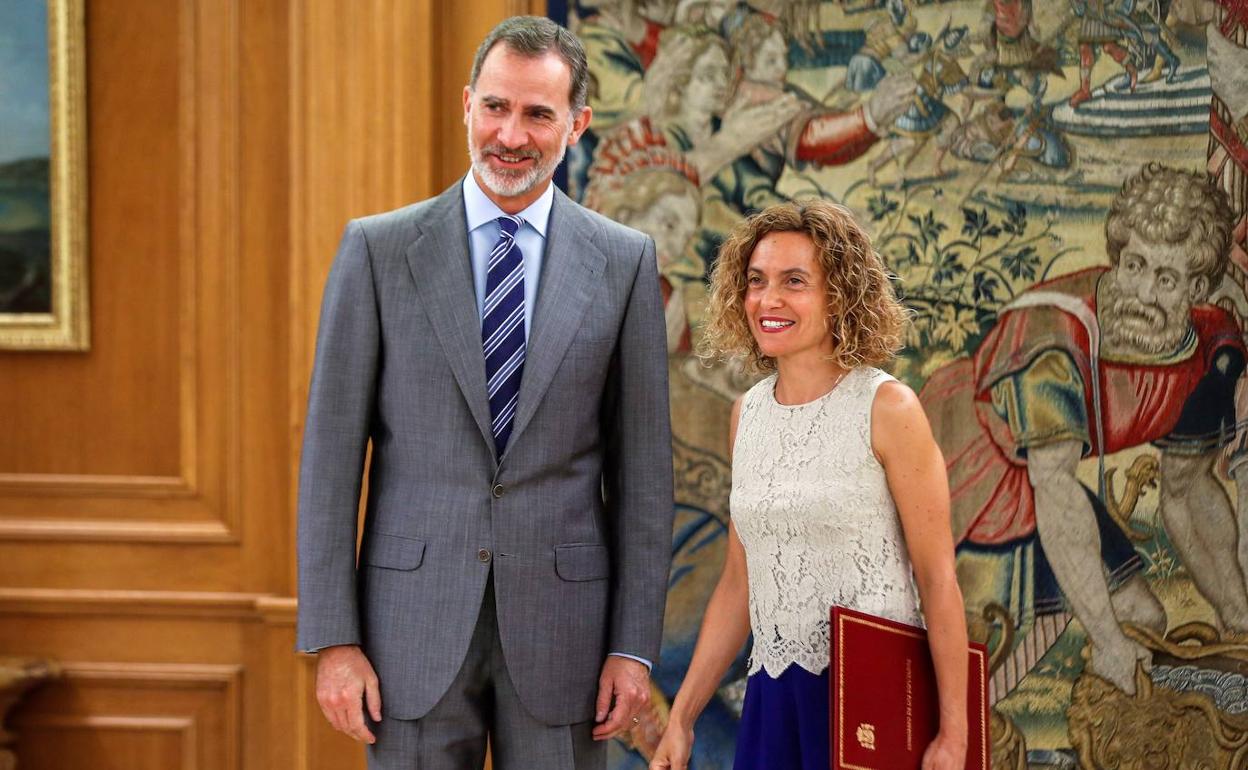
[(865, 318)]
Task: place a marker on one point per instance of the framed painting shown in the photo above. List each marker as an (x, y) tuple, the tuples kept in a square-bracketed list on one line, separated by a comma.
[(43, 177)]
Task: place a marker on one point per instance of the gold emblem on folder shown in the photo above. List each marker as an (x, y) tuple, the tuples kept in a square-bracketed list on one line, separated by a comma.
[(866, 736)]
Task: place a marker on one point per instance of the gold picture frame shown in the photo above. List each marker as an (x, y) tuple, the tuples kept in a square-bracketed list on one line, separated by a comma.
[(67, 326)]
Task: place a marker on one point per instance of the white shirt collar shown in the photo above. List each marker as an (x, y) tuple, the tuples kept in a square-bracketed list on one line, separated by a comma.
[(480, 209)]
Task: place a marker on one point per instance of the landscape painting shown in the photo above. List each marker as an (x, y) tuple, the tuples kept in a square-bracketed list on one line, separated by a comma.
[(43, 297)]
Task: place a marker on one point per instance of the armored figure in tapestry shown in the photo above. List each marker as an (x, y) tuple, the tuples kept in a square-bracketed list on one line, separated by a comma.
[(1061, 189)]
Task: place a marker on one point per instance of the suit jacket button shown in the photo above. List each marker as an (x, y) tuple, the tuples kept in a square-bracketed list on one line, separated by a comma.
[(483, 555), (497, 491)]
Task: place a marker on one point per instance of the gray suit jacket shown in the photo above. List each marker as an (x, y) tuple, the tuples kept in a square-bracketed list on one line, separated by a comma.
[(574, 519)]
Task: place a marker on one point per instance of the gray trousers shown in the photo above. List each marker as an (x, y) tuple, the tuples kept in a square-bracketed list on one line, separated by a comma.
[(482, 704)]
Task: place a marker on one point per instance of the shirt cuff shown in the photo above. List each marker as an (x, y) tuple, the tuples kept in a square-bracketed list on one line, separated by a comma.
[(649, 666)]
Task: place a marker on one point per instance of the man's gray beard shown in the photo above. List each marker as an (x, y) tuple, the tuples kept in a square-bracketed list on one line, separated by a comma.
[(511, 185), (1162, 338)]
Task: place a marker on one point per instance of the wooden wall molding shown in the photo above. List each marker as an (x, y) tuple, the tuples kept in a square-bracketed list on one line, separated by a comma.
[(212, 329), (182, 727), (93, 485), (277, 610), (203, 502), (198, 676), (100, 531), (200, 703), (265, 608), (98, 722)]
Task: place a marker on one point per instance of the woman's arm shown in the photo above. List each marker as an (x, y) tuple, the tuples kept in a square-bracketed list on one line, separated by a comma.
[(725, 627), (902, 440)]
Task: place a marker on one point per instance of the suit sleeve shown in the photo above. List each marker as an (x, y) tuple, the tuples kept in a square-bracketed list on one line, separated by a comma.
[(638, 470), (340, 407)]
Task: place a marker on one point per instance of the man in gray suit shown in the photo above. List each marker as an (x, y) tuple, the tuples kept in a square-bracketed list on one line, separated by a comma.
[(503, 350)]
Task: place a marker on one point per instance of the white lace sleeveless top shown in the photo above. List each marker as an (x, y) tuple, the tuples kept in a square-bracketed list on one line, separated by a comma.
[(812, 508)]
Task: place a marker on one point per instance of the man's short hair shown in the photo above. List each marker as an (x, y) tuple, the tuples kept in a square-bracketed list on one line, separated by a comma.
[(534, 36), (1164, 205)]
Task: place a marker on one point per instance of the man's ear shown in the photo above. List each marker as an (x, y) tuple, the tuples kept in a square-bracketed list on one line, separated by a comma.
[(579, 124), (1198, 289), (467, 102)]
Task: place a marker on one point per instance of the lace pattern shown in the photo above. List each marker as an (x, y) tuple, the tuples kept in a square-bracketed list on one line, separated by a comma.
[(812, 508)]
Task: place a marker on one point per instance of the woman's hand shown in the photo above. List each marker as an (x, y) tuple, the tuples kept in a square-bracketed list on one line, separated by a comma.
[(943, 753), (674, 748)]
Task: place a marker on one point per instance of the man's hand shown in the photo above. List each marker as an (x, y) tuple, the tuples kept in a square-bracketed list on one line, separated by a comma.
[(747, 126), (742, 129), (345, 681), (623, 691)]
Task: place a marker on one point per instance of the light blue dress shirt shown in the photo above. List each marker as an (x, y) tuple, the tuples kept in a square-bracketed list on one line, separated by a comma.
[(483, 231)]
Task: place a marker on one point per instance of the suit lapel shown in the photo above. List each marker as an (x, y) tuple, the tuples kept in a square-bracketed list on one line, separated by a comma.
[(570, 270), (441, 269)]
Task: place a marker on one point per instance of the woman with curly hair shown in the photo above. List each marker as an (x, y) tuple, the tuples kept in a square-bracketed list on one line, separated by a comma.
[(839, 494)]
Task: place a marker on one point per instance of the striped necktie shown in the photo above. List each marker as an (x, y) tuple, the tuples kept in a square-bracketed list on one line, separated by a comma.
[(502, 329)]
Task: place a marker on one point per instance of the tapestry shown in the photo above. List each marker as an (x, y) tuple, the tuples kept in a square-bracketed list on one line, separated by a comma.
[(1060, 190)]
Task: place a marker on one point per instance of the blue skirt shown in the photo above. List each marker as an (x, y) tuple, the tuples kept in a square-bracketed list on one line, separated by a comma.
[(785, 722)]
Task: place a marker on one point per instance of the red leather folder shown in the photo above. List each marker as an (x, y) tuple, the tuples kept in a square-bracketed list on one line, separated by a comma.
[(884, 701)]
